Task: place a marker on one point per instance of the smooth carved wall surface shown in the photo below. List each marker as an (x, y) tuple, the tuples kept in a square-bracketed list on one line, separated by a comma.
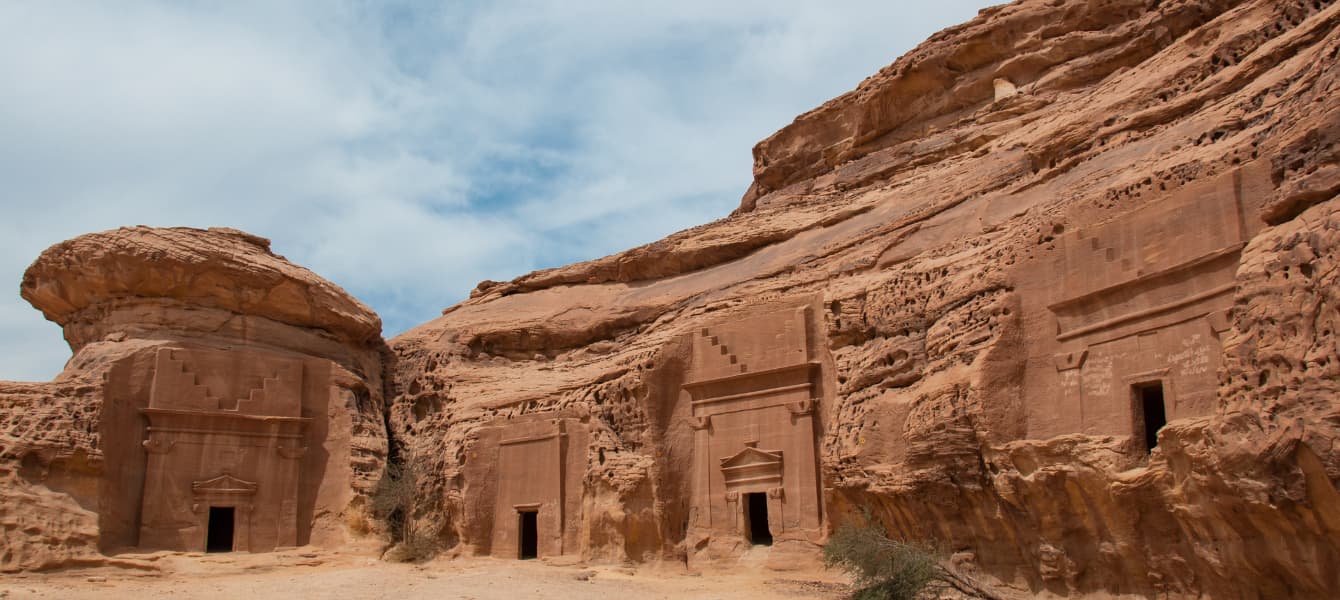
[(535, 465), (1139, 299), (177, 418), (532, 477), (225, 430), (752, 395)]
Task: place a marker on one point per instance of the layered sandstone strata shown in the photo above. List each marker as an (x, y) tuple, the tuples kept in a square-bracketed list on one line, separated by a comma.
[(1055, 289), (211, 378)]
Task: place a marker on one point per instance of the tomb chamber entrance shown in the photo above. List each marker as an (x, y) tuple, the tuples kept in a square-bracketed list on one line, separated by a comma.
[(532, 486), (224, 444), (220, 536), (528, 532), (1150, 413), (756, 517), (752, 397), (1123, 319)]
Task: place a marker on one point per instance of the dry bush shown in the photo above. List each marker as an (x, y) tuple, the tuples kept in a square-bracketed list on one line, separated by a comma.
[(885, 569), (889, 569), (396, 500)]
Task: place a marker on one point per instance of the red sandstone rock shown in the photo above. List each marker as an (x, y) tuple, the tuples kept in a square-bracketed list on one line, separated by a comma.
[(1010, 291), (1057, 289), (105, 280), (260, 385)]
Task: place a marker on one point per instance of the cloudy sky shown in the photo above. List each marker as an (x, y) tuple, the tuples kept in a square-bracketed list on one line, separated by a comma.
[(405, 150)]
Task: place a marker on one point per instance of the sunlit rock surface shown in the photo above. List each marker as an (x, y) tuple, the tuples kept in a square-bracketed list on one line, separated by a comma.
[(1063, 279), (209, 374), (1057, 290)]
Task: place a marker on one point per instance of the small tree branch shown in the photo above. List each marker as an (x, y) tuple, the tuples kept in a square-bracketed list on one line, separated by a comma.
[(964, 584)]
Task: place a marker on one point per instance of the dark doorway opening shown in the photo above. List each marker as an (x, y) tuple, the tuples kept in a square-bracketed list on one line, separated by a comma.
[(756, 515), (220, 535), (1151, 415), (530, 534)]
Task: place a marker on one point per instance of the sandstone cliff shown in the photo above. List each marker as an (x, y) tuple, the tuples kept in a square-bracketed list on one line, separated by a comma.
[(229, 316), (1066, 277), (1057, 289)]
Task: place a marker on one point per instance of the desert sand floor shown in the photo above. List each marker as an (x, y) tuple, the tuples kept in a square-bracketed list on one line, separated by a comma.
[(306, 574)]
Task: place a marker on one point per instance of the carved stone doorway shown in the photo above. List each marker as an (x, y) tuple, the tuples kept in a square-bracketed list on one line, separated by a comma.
[(756, 519), (529, 534), (219, 536), (1151, 414)]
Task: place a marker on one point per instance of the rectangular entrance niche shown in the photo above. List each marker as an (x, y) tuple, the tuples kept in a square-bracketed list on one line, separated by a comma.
[(529, 533), (1149, 411), (220, 536), (537, 488), (752, 400), (756, 516)]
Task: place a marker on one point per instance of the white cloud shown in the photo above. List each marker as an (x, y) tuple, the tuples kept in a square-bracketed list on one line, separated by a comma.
[(405, 151)]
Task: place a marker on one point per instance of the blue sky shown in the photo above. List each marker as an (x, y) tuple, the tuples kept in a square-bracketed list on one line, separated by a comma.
[(405, 150)]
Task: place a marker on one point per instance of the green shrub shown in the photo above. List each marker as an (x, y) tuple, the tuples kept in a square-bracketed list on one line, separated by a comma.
[(884, 569)]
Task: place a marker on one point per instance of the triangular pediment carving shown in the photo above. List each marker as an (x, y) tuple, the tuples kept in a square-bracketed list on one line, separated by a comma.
[(224, 484), (752, 456)]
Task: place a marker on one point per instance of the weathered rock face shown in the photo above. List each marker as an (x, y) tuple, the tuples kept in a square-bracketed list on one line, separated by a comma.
[(218, 395), (1056, 288), (143, 281)]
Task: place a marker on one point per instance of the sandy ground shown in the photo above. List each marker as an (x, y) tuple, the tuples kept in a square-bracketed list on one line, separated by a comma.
[(309, 574)]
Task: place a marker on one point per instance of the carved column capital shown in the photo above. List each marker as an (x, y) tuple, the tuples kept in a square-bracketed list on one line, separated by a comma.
[(1220, 320), (1066, 361), (700, 423), (801, 407), (292, 451), (157, 446)]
